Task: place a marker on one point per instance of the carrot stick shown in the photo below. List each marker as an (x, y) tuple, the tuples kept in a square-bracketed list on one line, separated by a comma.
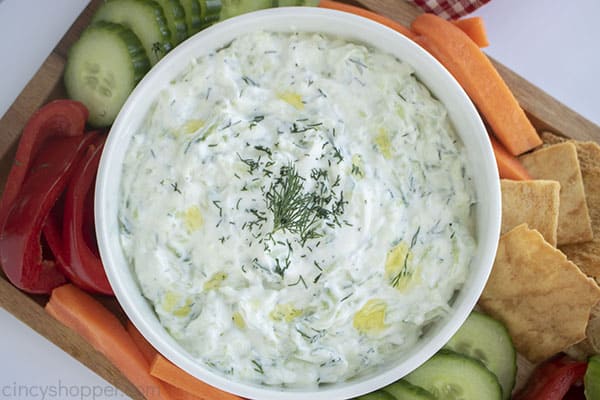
[(141, 343), (149, 353), (509, 167), (336, 5), (166, 371), (474, 28), (86, 316), (478, 77)]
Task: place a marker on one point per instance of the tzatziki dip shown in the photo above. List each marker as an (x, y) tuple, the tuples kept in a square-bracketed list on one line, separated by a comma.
[(297, 208)]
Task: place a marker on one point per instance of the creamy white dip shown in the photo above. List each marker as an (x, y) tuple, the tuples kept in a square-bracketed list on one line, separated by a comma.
[(297, 208)]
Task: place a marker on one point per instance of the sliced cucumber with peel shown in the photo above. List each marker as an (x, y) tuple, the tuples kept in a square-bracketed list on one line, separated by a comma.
[(378, 395), (102, 69), (210, 12), (449, 376), (193, 16), (487, 340), (232, 8), (591, 380), (402, 390), (292, 3), (175, 16), (145, 18)]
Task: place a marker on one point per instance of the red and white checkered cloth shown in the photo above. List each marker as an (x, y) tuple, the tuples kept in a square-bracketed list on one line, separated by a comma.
[(449, 9)]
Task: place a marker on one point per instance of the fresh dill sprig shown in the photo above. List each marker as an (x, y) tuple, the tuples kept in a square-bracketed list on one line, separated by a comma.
[(293, 210)]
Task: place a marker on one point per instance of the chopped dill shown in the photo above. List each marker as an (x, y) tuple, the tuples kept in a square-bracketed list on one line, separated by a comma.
[(413, 241), (346, 298), (402, 273), (249, 81), (253, 165), (175, 187), (317, 278), (300, 279), (217, 204), (256, 120), (264, 149), (258, 367)]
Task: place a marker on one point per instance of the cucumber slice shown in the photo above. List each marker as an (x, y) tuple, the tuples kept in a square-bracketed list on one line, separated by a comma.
[(193, 16), (591, 380), (210, 11), (402, 390), (295, 3), (232, 8), (487, 340), (175, 15), (102, 69), (378, 395), (449, 375), (145, 18)]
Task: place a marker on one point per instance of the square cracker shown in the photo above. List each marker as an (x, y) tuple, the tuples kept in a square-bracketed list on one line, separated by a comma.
[(543, 299), (586, 255), (534, 203), (559, 162)]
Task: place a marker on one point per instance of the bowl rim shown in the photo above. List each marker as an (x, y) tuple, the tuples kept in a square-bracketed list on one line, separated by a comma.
[(107, 187)]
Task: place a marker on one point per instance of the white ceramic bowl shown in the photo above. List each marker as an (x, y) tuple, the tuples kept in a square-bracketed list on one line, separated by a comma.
[(461, 111)]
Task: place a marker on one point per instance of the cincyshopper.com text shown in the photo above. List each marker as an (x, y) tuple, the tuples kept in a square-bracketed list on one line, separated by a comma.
[(62, 391)]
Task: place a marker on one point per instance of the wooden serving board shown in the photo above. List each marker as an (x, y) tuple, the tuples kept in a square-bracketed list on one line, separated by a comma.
[(545, 112)]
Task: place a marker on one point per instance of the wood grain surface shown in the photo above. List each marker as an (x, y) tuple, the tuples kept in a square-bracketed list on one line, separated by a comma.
[(545, 112)]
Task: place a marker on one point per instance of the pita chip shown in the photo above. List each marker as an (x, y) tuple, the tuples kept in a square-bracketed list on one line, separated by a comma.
[(559, 162), (588, 153), (534, 202), (585, 255), (543, 299)]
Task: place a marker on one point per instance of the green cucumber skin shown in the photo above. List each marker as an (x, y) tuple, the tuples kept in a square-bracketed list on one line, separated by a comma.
[(127, 12), (104, 81), (486, 339), (193, 16), (233, 8), (286, 3), (403, 390), (175, 16), (591, 380), (456, 372), (379, 395), (210, 12)]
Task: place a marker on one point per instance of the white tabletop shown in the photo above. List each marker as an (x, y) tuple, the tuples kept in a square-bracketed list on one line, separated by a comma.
[(550, 44)]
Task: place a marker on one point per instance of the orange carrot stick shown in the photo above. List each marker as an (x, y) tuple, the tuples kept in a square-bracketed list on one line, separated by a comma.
[(509, 167), (149, 353), (166, 371), (86, 316), (141, 343), (478, 77), (336, 5), (475, 29)]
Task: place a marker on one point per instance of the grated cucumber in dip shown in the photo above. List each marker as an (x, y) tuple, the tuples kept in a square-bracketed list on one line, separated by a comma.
[(297, 208)]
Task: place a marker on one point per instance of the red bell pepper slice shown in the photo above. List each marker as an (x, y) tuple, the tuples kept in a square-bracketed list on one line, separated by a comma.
[(83, 266), (553, 379), (52, 232), (57, 118), (20, 237)]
